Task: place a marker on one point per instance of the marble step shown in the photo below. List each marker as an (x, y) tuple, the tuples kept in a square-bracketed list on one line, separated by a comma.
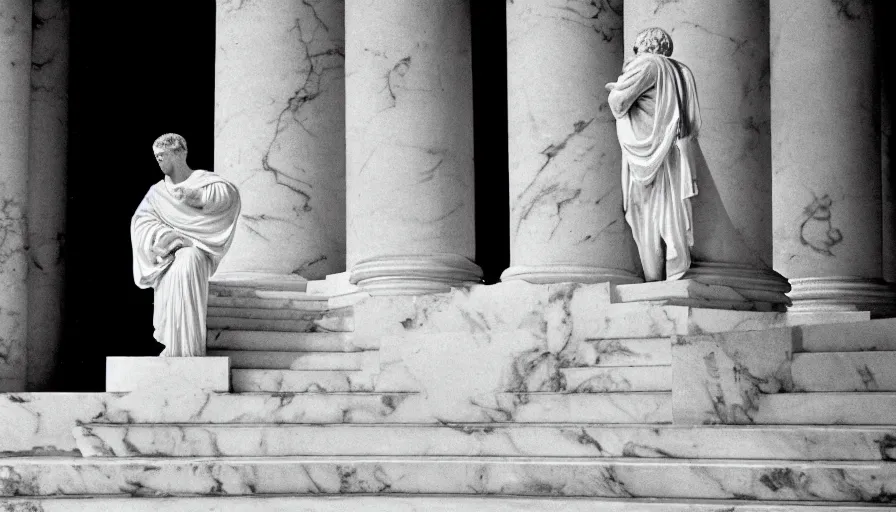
[(827, 409), (619, 352), (253, 359), (196, 407), (620, 378), (490, 439), (300, 381), (323, 321), (278, 314), (847, 337), (845, 371), (286, 304), (823, 481), (622, 407), (289, 341), (416, 503)]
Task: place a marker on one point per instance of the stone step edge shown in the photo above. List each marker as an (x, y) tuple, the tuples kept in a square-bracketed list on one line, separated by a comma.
[(508, 425), (440, 459), (411, 502)]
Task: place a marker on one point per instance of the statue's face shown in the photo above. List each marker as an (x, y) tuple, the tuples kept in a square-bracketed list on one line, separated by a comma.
[(165, 158)]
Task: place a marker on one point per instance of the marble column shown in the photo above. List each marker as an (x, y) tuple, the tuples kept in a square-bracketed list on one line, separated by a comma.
[(280, 133), (725, 44), (47, 190), (15, 90), (826, 155), (409, 146), (566, 218)]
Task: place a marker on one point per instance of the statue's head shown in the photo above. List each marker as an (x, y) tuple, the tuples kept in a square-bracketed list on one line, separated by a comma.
[(653, 40), (169, 149)]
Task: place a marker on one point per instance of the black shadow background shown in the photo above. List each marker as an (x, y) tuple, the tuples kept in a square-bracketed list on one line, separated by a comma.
[(138, 71)]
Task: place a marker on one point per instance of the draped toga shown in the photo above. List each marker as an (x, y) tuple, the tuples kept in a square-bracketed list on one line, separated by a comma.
[(202, 210), (657, 122)]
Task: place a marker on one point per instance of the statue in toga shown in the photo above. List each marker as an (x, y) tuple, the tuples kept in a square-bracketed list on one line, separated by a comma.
[(179, 233), (657, 121)]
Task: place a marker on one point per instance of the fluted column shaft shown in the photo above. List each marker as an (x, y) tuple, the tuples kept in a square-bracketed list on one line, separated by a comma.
[(47, 188), (826, 154), (725, 44), (279, 133), (409, 146), (566, 218), (15, 90)]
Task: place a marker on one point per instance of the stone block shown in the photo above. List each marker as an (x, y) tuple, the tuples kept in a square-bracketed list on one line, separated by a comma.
[(143, 374)]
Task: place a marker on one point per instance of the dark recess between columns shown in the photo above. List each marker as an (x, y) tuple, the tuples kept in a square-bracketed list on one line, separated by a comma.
[(489, 27), (139, 70)]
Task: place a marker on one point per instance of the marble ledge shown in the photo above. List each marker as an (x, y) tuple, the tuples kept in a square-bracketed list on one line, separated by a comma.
[(873, 482), (418, 503), (492, 440), (165, 374)]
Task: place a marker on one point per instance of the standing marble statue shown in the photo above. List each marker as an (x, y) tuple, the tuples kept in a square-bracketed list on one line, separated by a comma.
[(657, 121), (179, 233)]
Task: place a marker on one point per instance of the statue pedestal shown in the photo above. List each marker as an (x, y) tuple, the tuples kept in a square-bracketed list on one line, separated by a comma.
[(699, 294), (125, 374)]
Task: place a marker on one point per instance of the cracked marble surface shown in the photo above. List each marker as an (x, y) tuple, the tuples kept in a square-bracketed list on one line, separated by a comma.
[(827, 183), (279, 133), (15, 91), (493, 439), (409, 129), (764, 480), (720, 378), (47, 179), (565, 192)]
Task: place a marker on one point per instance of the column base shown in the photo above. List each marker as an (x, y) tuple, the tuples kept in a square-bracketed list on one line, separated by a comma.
[(563, 273), (842, 293), (416, 274), (755, 284)]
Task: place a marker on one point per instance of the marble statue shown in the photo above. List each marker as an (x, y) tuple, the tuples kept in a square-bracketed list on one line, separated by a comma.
[(179, 233), (657, 122)]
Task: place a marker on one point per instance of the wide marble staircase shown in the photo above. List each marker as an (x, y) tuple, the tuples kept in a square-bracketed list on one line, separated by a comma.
[(491, 414)]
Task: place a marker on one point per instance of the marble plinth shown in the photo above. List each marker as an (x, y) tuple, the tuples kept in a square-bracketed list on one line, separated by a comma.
[(555, 476), (720, 378), (877, 408), (844, 337), (566, 219), (409, 146), (692, 292), (415, 504), (845, 371), (15, 93), (491, 439), (163, 374), (280, 133), (46, 191)]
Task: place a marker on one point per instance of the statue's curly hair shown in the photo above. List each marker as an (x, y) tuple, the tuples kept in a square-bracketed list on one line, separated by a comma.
[(653, 40), (171, 142)]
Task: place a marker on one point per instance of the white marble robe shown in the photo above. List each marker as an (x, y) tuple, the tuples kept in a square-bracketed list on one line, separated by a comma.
[(202, 210), (657, 121)]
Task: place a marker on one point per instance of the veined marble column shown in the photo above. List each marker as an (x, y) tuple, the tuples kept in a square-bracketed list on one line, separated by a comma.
[(409, 127), (566, 218), (725, 44), (15, 91), (46, 190), (826, 154), (280, 133)]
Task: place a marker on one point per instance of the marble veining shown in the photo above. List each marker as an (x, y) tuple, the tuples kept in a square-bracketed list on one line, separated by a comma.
[(409, 144), (283, 86), (562, 150), (762, 480)]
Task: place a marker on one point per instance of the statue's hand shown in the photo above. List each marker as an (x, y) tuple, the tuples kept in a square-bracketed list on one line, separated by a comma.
[(167, 244)]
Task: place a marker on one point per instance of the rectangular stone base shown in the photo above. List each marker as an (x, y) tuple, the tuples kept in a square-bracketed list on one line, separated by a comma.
[(692, 293), (125, 374)]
